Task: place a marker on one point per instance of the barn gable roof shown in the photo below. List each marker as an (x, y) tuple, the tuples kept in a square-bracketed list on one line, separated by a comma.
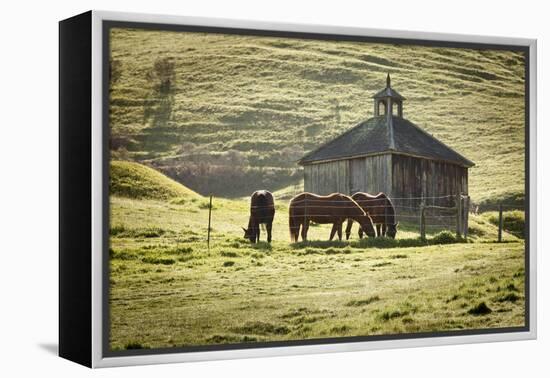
[(384, 134)]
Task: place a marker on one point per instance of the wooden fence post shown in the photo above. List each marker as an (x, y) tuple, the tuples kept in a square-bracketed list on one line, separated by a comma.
[(209, 220), (466, 215), (500, 223), (458, 202), (422, 222)]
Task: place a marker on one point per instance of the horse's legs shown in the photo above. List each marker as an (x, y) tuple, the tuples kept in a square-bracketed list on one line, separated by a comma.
[(378, 230), (257, 232), (305, 227), (332, 231), (339, 229), (360, 233), (383, 229), (268, 229), (348, 228)]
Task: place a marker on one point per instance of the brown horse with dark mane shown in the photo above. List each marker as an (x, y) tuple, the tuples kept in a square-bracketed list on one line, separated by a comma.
[(334, 208), (262, 211), (381, 210)]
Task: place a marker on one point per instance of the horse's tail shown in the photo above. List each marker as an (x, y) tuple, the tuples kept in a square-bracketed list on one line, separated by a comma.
[(293, 225)]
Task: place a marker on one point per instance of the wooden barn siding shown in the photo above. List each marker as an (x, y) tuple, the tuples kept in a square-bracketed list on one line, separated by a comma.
[(326, 178), (415, 178), (371, 174), (396, 175)]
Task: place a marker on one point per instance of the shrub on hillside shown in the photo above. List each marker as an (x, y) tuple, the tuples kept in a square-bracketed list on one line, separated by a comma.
[(444, 237)]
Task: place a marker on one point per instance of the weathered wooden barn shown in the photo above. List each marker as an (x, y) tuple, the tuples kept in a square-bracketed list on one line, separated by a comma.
[(387, 153)]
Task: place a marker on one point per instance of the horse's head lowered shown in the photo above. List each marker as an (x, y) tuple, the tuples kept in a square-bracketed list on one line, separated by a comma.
[(367, 226), (391, 230), (249, 234)]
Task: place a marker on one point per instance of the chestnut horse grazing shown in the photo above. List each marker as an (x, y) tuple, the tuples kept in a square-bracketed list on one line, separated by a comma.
[(262, 211), (381, 210), (334, 208)]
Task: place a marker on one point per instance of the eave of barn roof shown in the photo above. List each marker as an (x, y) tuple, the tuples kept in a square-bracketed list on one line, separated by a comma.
[(372, 137)]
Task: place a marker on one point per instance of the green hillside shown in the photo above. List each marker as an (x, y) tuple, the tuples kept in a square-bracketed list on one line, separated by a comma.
[(230, 114), (133, 180)]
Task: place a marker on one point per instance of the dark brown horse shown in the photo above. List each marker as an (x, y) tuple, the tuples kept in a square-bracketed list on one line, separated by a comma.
[(262, 211), (381, 210), (334, 208)]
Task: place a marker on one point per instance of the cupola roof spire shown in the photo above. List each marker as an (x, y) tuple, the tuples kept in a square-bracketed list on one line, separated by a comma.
[(389, 91)]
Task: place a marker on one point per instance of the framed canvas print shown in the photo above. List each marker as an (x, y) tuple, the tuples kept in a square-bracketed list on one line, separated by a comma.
[(233, 189)]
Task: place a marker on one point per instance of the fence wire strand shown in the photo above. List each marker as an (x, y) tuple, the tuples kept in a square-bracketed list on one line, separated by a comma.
[(434, 217)]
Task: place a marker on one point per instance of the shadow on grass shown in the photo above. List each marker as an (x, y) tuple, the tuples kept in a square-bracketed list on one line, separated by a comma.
[(444, 237), (262, 245), (320, 244)]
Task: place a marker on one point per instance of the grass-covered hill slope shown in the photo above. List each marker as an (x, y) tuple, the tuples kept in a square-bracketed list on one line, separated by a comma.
[(229, 114), (133, 180)]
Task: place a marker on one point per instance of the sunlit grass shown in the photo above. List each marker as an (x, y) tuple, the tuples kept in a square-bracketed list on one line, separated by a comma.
[(168, 289)]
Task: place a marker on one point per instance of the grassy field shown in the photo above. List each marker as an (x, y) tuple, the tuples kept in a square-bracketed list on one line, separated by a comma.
[(167, 289), (231, 114)]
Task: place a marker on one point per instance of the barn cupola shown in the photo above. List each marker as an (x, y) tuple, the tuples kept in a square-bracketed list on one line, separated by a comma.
[(387, 101)]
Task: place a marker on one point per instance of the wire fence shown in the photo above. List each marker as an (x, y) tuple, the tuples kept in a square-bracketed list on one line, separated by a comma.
[(426, 214)]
